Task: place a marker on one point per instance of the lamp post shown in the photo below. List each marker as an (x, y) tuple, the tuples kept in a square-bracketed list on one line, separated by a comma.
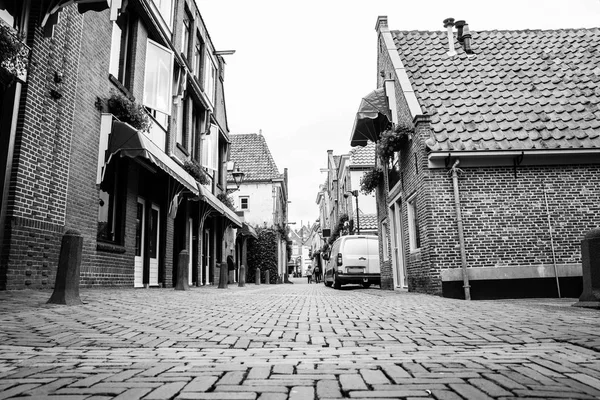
[(355, 194)]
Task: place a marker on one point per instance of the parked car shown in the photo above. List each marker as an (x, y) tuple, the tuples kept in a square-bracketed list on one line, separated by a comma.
[(353, 259)]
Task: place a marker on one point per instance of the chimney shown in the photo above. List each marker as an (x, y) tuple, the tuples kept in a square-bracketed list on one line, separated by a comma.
[(448, 24), (466, 36), (459, 28)]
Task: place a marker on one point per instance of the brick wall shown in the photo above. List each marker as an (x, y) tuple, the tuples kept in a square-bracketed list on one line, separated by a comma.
[(36, 210)]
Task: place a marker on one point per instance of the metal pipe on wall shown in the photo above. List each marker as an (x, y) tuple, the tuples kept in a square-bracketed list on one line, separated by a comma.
[(461, 236), (551, 239)]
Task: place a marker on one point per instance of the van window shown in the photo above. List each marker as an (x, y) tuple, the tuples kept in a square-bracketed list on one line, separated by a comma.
[(356, 247)]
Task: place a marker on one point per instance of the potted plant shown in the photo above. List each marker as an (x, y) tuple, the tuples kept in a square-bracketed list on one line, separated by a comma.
[(127, 110), (370, 180), (193, 168), (226, 199), (392, 140), (14, 54)]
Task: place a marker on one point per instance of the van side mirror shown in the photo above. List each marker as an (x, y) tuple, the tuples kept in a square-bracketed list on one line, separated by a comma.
[(325, 256)]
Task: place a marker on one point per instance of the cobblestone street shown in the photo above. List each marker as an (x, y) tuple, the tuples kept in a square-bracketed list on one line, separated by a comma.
[(296, 342)]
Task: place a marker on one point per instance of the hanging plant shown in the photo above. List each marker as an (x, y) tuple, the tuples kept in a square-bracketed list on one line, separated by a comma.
[(193, 168), (338, 229), (129, 111), (14, 54), (392, 140), (226, 199), (370, 180)]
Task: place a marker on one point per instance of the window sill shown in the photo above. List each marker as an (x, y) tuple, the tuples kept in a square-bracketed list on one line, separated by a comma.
[(183, 149), (110, 248), (120, 86)]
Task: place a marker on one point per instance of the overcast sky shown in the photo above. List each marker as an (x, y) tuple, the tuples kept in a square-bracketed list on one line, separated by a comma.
[(301, 67)]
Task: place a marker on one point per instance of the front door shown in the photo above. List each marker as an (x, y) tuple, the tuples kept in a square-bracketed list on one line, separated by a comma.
[(398, 251), (153, 248), (190, 249), (140, 230)]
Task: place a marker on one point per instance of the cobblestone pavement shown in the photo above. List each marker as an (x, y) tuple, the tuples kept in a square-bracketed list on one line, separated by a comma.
[(296, 342)]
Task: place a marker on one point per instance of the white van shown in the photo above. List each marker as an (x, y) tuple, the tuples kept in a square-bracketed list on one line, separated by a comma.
[(353, 259)]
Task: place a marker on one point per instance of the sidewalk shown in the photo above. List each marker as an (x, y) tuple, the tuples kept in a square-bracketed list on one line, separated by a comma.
[(294, 341)]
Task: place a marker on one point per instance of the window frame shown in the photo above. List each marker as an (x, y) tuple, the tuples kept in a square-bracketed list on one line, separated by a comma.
[(247, 198), (153, 103), (122, 57), (113, 213), (199, 49), (414, 237), (186, 33)]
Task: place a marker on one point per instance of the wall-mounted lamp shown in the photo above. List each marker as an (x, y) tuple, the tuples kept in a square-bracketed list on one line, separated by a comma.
[(238, 178)]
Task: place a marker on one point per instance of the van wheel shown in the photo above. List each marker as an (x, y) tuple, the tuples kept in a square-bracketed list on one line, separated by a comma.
[(366, 285), (336, 282), (328, 284)]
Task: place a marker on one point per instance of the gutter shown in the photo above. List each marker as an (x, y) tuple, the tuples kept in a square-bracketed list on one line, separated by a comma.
[(461, 235)]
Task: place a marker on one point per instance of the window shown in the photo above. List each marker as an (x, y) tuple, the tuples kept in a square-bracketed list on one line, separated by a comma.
[(210, 79), (119, 50), (108, 208), (186, 33), (13, 13), (199, 58), (413, 224), (210, 149), (244, 202), (181, 124), (165, 7), (158, 78)]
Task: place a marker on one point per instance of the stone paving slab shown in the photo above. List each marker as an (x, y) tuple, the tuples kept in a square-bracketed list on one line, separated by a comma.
[(300, 341)]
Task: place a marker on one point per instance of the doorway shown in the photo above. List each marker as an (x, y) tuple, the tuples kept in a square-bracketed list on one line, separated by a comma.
[(397, 248)]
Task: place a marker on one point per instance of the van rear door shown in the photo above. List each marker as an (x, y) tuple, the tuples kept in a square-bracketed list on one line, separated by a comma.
[(355, 255), (373, 266)]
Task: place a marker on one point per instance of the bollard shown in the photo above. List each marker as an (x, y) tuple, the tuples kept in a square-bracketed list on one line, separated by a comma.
[(182, 271), (267, 277), (223, 275), (590, 265), (66, 288), (257, 276), (242, 276)]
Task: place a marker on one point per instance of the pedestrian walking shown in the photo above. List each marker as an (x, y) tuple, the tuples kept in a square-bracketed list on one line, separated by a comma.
[(317, 272), (309, 274)]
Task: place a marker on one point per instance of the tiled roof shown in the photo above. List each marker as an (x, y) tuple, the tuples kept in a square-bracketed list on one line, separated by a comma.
[(521, 90), (251, 154), (363, 155), (368, 221)]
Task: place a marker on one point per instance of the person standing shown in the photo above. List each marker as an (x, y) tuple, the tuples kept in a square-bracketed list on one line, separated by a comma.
[(309, 273)]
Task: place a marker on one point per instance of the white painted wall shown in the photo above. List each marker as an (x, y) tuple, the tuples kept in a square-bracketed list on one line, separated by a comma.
[(260, 201)]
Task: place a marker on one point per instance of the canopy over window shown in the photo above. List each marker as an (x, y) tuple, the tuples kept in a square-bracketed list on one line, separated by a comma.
[(53, 7), (126, 141), (372, 118)]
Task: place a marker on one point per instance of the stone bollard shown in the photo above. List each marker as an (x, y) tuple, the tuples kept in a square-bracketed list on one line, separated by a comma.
[(182, 271), (257, 276), (223, 275), (66, 288), (242, 276), (267, 277), (590, 265)]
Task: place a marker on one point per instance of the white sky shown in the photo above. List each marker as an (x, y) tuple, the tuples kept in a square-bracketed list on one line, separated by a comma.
[(301, 67)]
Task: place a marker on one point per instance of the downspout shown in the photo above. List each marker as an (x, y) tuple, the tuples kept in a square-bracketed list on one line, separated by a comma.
[(461, 235)]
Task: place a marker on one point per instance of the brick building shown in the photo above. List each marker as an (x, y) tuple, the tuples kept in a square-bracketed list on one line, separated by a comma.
[(78, 158), (497, 179)]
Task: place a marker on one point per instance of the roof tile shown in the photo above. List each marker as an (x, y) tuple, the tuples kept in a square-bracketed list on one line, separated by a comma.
[(252, 156), (527, 89)]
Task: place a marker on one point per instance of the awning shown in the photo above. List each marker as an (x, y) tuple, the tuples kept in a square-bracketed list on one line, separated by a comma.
[(372, 118), (247, 230), (214, 202), (51, 8), (126, 141)]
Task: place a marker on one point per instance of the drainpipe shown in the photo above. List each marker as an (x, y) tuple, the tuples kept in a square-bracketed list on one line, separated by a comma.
[(461, 235)]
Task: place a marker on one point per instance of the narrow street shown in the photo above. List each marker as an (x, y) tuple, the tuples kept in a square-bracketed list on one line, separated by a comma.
[(295, 341)]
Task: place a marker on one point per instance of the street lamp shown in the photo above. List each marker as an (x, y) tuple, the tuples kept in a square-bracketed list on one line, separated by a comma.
[(355, 194), (238, 178)]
